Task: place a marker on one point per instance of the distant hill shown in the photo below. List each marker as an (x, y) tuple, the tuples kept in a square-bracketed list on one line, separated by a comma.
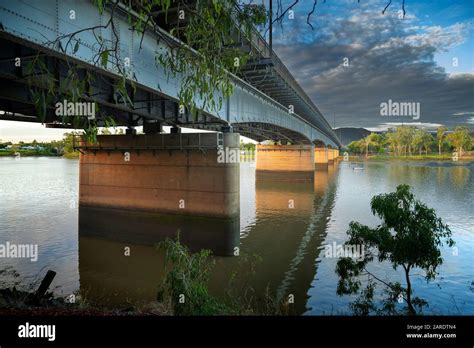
[(349, 134)]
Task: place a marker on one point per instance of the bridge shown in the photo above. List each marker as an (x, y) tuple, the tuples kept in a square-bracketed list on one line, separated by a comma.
[(178, 173)]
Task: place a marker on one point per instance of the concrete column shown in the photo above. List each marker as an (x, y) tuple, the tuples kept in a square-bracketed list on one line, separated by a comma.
[(195, 176), (320, 157), (331, 155), (285, 158)]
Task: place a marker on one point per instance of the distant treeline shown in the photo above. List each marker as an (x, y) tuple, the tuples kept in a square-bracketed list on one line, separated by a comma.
[(62, 147), (409, 140)]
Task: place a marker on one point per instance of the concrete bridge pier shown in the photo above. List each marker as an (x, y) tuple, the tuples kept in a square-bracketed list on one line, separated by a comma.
[(332, 155), (321, 157), (167, 183), (297, 161)]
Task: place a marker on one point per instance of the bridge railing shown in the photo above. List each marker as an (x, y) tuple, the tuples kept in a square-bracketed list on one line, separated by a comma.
[(266, 51)]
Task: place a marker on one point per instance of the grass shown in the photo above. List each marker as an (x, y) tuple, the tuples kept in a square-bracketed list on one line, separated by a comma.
[(72, 155), (27, 153)]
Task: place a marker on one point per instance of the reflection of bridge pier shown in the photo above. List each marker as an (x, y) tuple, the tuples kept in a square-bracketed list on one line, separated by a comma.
[(290, 225), (176, 175)]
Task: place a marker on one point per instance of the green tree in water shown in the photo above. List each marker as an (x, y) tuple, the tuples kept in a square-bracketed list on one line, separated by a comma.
[(409, 236)]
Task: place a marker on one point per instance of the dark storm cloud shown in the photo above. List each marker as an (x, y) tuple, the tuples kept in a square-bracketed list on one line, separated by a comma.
[(388, 59)]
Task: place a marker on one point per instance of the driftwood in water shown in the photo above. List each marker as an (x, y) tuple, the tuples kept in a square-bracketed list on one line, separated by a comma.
[(45, 283), (36, 297)]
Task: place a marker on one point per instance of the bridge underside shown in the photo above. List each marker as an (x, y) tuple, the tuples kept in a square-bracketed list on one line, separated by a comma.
[(265, 131), (148, 105)]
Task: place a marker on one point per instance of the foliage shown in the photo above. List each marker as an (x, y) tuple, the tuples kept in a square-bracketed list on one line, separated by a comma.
[(186, 280), (404, 140), (45, 90), (440, 137), (356, 146), (247, 146), (427, 140), (460, 139), (211, 52), (371, 139), (409, 237)]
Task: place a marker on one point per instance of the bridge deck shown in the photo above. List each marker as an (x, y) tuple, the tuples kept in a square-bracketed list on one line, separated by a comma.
[(27, 26)]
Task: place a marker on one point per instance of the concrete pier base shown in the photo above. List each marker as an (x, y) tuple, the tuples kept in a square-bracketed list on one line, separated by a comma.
[(187, 176), (295, 160), (331, 155), (320, 157)]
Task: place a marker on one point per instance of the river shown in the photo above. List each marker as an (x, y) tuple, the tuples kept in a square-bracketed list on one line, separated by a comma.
[(284, 227)]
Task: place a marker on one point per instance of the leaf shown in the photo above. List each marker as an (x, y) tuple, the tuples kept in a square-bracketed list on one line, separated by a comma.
[(100, 5), (76, 47), (104, 58)]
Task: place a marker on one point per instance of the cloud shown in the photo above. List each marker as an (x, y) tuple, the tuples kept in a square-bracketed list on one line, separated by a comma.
[(388, 58)]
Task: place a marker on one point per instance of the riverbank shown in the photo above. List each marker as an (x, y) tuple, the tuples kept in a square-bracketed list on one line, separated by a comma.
[(14, 302)]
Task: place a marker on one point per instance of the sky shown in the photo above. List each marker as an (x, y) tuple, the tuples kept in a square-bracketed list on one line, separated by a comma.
[(426, 58)]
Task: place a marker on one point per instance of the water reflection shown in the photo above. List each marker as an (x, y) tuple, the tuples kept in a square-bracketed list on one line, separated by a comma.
[(219, 235), (460, 177), (108, 277), (286, 235)]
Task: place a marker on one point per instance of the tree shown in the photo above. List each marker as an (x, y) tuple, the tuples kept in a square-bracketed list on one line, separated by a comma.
[(460, 139), (440, 137), (427, 140), (417, 140), (68, 142), (402, 139), (371, 139), (247, 146), (406, 134), (409, 236), (356, 146), (393, 141)]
